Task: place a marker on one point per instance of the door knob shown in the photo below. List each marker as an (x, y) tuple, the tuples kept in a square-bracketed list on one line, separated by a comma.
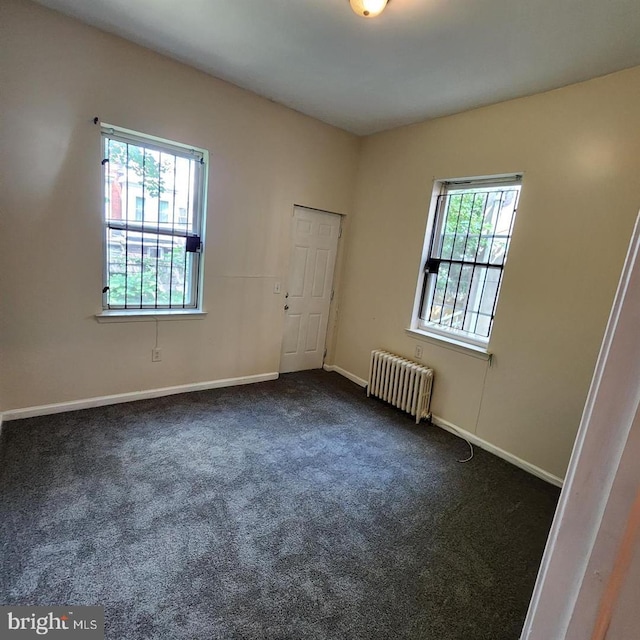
[(286, 306)]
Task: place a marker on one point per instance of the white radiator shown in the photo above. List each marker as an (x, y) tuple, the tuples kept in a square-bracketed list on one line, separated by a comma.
[(403, 383)]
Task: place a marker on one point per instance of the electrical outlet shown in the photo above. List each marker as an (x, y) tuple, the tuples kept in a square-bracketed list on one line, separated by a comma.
[(276, 287), (418, 352), (156, 354)]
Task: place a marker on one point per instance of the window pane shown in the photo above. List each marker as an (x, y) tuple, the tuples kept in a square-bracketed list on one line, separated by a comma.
[(163, 211), (473, 231), (463, 218), (464, 297), (148, 270), (145, 185), (151, 205)]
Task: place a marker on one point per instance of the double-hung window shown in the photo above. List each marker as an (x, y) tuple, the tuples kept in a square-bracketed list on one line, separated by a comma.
[(154, 218), (465, 253)]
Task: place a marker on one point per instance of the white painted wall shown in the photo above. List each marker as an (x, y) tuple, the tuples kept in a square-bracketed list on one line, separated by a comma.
[(56, 75), (578, 150)]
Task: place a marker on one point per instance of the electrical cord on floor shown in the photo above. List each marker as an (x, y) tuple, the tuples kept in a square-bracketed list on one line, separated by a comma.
[(484, 382), (457, 433), (471, 452)]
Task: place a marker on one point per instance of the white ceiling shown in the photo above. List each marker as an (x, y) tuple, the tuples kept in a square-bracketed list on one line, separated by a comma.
[(419, 59)]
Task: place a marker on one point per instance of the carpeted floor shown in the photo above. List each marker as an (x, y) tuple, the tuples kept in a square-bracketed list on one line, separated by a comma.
[(293, 509)]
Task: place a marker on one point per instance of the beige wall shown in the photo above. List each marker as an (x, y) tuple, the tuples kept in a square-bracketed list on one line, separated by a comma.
[(579, 149), (57, 74), (590, 571)]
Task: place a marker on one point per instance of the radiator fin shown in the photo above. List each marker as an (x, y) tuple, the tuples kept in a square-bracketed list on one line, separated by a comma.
[(401, 382)]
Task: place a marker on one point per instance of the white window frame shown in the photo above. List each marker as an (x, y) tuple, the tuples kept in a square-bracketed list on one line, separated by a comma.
[(421, 328), (196, 281)]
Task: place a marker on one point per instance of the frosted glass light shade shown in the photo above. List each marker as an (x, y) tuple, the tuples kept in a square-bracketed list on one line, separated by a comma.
[(368, 8)]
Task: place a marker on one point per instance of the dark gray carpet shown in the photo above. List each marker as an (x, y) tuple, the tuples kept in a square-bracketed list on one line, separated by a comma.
[(283, 510)]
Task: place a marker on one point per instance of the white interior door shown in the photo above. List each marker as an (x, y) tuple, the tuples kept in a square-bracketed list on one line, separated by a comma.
[(313, 257)]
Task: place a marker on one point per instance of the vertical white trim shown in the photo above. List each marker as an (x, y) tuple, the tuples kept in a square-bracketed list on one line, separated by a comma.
[(426, 246)]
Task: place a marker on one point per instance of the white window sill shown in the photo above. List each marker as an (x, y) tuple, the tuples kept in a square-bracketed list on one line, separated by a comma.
[(150, 315), (448, 342)]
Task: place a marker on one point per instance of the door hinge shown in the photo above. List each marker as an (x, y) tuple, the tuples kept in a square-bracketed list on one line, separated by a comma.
[(332, 294), (340, 232)]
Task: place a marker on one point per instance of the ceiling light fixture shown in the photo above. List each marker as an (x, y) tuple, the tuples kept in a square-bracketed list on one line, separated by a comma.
[(368, 8)]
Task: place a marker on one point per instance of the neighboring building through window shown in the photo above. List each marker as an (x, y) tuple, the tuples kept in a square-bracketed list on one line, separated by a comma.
[(163, 211), (154, 221), (465, 253)]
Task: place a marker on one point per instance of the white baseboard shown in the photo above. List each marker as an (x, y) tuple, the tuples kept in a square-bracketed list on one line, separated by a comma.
[(501, 453), (346, 374), (479, 442), (101, 401)]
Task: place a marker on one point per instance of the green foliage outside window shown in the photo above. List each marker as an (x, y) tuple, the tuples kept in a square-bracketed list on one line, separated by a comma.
[(149, 166), (469, 236), (159, 281)]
